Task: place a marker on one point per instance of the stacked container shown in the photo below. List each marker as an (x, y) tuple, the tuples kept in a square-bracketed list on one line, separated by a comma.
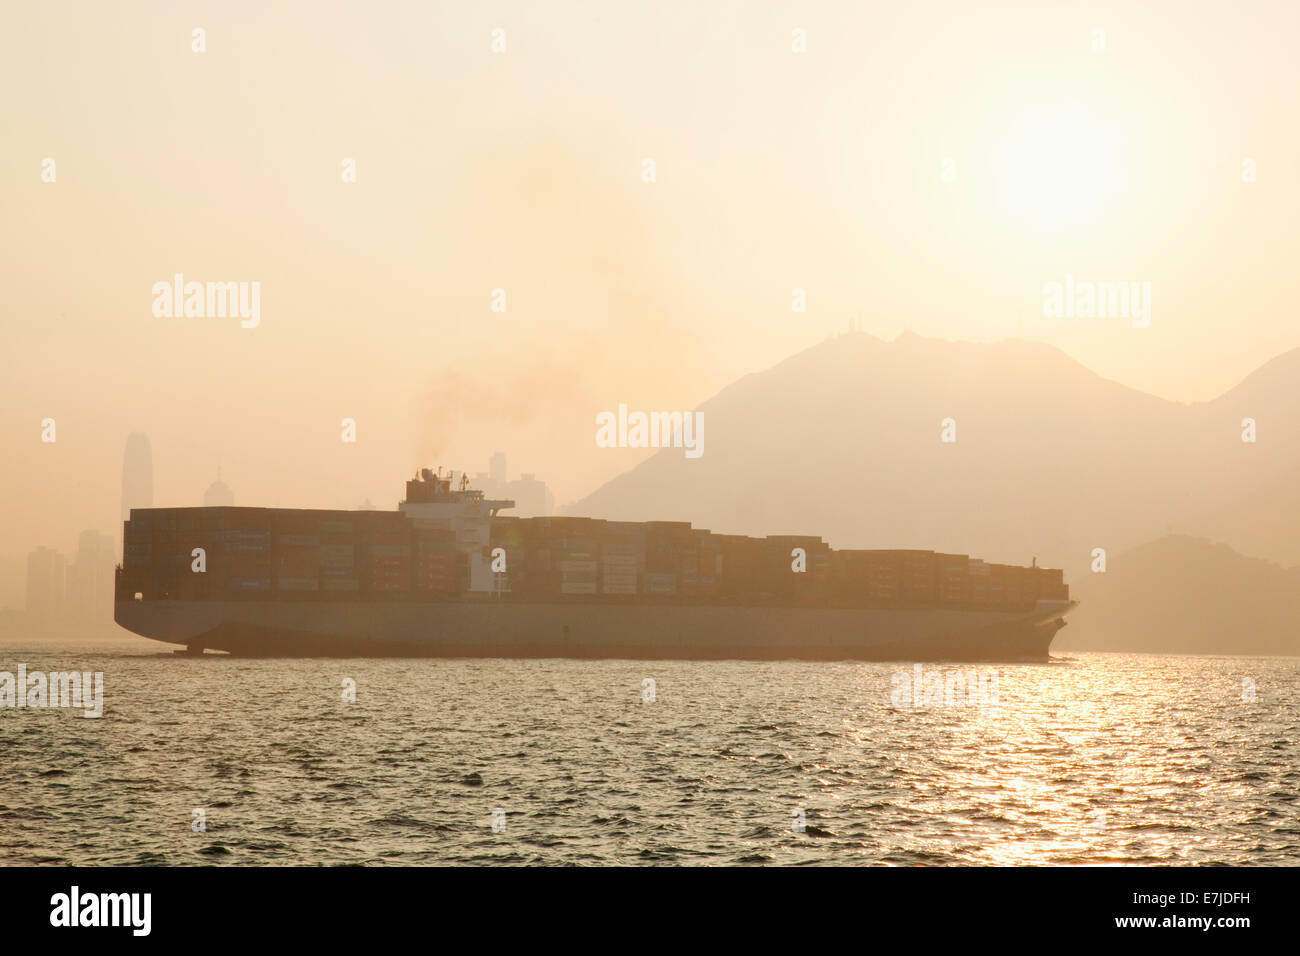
[(137, 543), (542, 579), (1004, 587), (622, 557), (338, 555), (708, 563), (256, 553), (576, 560), (508, 535), (953, 579), (390, 566), (1051, 586), (670, 551), (980, 581), (779, 576), (242, 559), (742, 564), (873, 577), (440, 568), (298, 562), (919, 577)]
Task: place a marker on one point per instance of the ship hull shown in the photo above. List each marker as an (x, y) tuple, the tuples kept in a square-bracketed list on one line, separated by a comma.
[(507, 629)]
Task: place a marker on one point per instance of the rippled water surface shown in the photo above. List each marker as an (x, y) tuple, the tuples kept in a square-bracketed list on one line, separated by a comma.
[(1095, 758)]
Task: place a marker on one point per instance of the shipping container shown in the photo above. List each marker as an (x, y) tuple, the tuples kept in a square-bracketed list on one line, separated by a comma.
[(979, 579), (298, 584), (337, 555), (661, 562), (242, 542), (617, 549), (251, 551), (657, 583), (248, 584), (953, 579)]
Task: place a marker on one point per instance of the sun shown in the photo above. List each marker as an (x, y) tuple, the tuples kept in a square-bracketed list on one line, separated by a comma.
[(1058, 167)]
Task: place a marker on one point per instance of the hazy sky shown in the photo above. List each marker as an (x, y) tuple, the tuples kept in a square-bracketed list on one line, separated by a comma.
[(775, 170)]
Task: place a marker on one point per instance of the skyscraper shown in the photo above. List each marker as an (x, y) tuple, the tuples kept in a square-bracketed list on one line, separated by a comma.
[(89, 590), (44, 583), (137, 474), (532, 498)]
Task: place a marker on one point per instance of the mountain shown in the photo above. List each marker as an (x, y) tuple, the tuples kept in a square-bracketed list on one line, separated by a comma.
[(1186, 595), (843, 440), (1250, 491)]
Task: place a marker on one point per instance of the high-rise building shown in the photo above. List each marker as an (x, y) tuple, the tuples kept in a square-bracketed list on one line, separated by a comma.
[(137, 474), (45, 583), (531, 497), (88, 594)]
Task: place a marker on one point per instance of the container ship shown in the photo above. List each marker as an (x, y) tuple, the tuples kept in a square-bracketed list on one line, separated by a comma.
[(446, 575)]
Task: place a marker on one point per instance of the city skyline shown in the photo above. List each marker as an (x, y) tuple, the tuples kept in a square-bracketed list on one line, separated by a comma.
[(72, 589), (79, 582)]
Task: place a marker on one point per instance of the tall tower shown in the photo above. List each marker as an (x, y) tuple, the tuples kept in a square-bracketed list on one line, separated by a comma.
[(497, 467), (45, 583), (137, 474)]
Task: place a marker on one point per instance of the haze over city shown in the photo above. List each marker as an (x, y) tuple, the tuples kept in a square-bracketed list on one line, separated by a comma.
[(825, 172)]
